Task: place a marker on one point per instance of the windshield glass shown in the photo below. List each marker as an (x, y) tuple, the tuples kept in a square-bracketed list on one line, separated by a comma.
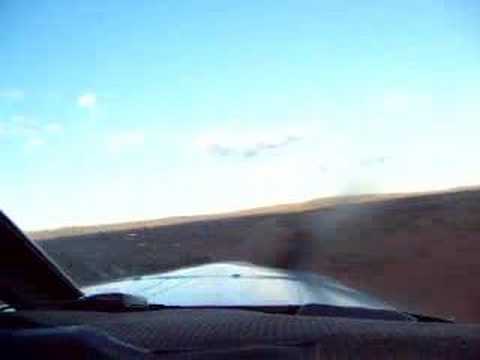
[(332, 138)]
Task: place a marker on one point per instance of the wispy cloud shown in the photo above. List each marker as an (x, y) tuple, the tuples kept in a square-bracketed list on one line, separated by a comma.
[(373, 161), (12, 94), (32, 132), (353, 166), (399, 102), (248, 146), (87, 101), (35, 141), (53, 128), (120, 142), (264, 145)]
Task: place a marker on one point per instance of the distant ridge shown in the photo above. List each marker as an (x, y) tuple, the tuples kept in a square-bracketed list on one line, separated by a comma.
[(308, 205)]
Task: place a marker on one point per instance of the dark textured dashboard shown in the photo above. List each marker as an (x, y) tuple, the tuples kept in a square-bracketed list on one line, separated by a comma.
[(230, 334)]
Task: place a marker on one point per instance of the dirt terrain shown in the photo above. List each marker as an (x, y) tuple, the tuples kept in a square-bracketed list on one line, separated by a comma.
[(419, 252)]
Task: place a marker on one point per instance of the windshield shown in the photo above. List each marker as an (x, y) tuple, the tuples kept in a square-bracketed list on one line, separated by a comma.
[(331, 138)]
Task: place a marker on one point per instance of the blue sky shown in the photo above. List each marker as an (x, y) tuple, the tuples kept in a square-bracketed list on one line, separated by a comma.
[(119, 111)]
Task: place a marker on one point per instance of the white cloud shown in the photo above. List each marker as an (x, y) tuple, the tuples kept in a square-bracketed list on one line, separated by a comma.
[(53, 128), (126, 140), (246, 145), (87, 101), (23, 126), (12, 94), (399, 102), (374, 161), (35, 141), (30, 131)]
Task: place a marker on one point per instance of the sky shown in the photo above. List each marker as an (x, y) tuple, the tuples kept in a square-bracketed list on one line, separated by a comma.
[(118, 111)]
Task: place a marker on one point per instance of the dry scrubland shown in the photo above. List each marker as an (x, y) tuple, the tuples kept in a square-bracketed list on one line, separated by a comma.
[(419, 252)]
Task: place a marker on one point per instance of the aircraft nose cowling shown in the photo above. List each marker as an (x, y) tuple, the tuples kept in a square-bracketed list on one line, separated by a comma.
[(239, 284)]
